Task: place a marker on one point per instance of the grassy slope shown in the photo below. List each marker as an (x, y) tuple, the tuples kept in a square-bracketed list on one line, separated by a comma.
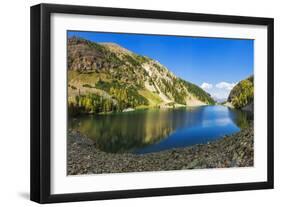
[(128, 73), (153, 98), (91, 78)]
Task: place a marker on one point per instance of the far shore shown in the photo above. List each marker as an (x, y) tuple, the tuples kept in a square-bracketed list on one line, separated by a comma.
[(139, 108), (83, 157), (228, 104)]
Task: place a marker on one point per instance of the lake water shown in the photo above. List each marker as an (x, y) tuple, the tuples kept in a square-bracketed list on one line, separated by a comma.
[(153, 130)]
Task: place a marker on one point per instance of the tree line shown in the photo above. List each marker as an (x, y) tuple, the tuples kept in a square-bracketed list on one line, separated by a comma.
[(120, 98)]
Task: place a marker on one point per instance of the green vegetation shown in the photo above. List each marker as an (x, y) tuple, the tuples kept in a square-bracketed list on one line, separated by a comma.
[(243, 93), (105, 79), (132, 61), (179, 95), (90, 103), (153, 98), (109, 56), (94, 45), (75, 76), (126, 95), (141, 59), (199, 92), (121, 97)]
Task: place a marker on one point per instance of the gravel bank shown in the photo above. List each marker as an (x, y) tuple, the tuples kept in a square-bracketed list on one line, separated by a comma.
[(236, 150)]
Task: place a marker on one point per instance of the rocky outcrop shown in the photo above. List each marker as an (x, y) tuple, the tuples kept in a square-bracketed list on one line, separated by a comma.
[(236, 150), (104, 68)]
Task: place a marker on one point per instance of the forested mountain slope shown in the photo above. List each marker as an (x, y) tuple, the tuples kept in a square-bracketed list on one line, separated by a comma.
[(105, 77), (242, 95)]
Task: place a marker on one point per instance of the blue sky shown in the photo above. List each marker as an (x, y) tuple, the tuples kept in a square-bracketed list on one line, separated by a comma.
[(215, 64)]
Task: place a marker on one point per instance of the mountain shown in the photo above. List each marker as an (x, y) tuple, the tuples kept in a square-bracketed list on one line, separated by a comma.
[(104, 77), (219, 100), (242, 94)]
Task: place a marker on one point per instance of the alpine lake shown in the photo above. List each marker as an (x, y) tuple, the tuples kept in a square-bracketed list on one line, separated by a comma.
[(154, 130)]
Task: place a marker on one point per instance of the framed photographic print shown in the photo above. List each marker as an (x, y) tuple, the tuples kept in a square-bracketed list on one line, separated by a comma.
[(132, 103)]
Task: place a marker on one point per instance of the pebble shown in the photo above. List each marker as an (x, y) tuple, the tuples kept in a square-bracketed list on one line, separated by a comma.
[(236, 150)]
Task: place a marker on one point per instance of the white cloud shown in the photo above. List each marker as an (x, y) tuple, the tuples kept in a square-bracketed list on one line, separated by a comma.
[(206, 86), (219, 91), (225, 85), (220, 95)]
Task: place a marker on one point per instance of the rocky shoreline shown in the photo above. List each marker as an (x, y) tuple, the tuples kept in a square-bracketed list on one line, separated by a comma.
[(236, 150)]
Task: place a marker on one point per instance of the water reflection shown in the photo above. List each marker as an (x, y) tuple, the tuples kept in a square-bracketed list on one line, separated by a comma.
[(242, 118), (155, 130)]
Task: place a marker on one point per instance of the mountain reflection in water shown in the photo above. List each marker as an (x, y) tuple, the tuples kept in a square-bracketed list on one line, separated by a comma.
[(153, 130)]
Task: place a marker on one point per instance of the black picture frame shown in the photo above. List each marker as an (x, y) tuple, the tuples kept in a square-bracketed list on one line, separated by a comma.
[(41, 99)]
